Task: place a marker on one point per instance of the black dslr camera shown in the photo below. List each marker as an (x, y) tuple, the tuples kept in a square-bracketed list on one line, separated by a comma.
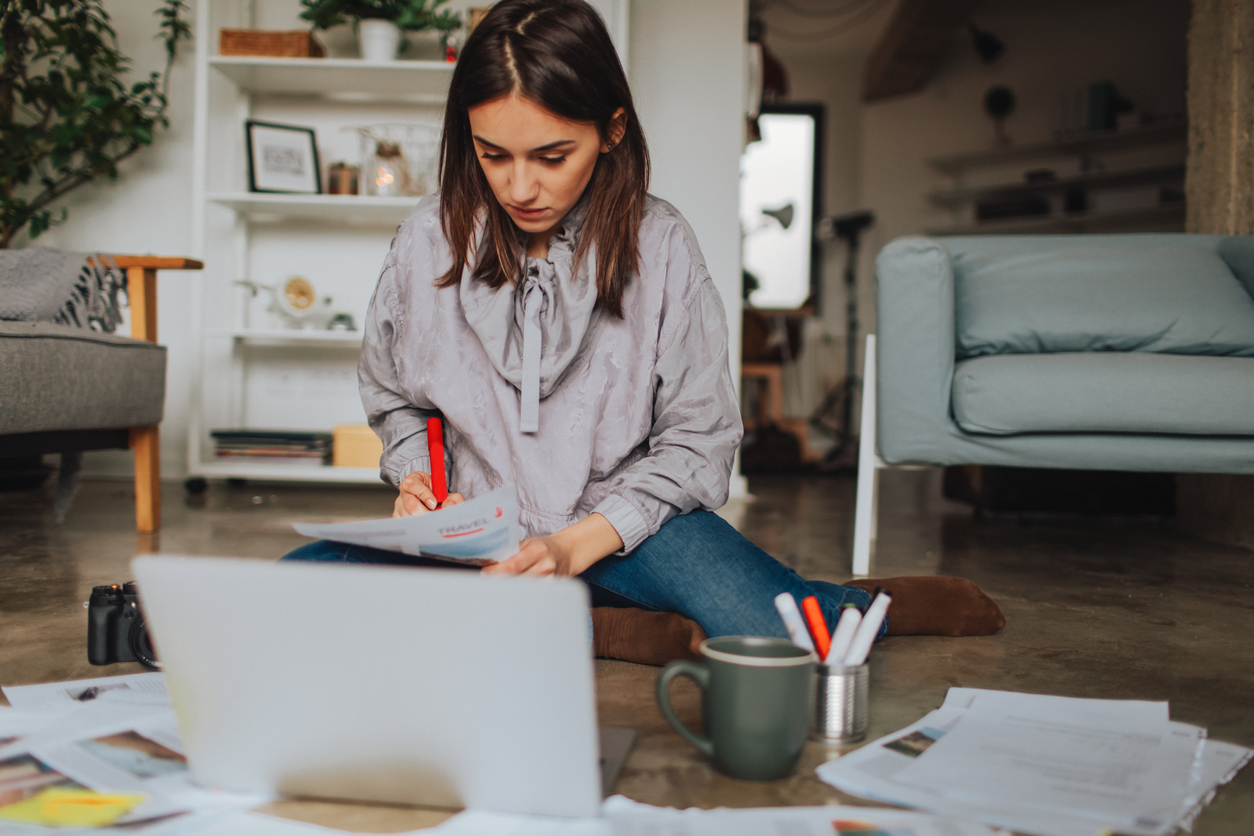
[(116, 631)]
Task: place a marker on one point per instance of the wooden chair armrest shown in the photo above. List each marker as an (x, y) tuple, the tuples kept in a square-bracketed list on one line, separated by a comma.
[(158, 262)]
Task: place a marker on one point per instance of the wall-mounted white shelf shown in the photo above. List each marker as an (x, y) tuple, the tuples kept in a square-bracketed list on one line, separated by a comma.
[(1082, 144), (278, 472), (340, 79), (957, 195), (292, 337), (1094, 180), (1171, 213), (360, 210)]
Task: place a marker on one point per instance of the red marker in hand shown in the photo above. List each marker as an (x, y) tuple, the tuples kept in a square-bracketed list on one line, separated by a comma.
[(435, 445)]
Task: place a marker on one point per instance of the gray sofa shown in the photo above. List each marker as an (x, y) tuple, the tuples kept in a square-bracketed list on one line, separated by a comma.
[(1103, 352)]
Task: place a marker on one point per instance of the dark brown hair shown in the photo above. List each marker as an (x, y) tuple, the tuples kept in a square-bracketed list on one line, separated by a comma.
[(558, 54)]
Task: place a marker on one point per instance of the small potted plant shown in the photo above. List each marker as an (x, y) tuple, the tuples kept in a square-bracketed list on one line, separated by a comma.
[(379, 23)]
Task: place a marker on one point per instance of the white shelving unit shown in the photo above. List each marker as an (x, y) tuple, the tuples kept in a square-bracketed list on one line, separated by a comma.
[(255, 374)]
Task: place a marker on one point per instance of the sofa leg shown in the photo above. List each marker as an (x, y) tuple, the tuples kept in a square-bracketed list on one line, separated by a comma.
[(866, 506), (146, 446)]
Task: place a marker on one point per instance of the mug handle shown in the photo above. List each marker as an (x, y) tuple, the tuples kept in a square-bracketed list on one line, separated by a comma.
[(698, 674)]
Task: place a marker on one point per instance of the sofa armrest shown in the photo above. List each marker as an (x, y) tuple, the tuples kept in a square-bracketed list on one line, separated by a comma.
[(914, 303)]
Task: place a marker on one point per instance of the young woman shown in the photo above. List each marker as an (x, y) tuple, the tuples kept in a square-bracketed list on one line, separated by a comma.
[(562, 322)]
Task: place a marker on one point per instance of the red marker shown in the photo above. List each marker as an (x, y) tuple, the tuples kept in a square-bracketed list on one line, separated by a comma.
[(435, 445), (818, 627)]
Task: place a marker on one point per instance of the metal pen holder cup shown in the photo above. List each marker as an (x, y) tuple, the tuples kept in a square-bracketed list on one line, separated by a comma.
[(841, 703)]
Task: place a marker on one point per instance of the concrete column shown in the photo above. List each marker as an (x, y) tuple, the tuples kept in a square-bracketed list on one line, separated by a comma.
[(1219, 182), (1219, 190)]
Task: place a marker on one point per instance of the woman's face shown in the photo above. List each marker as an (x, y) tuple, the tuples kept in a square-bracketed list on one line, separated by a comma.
[(536, 162)]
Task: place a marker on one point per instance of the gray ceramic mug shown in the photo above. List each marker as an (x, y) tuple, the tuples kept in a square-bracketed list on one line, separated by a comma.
[(757, 695)]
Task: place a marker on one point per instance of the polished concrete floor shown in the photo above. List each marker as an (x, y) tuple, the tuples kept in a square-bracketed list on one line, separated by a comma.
[(1119, 608)]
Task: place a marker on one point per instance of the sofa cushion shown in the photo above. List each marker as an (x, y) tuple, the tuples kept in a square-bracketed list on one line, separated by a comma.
[(1105, 392), (1113, 296), (56, 377)]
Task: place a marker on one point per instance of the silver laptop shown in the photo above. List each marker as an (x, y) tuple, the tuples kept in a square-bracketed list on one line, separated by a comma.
[(433, 687)]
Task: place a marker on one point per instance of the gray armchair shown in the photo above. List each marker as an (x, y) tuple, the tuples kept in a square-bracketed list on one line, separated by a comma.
[(1101, 352), (65, 388)]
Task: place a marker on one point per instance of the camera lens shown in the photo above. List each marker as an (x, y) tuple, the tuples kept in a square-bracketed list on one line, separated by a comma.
[(141, 645)]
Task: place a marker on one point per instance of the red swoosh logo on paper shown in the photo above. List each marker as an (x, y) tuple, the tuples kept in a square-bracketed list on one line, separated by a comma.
[(500, 512), (462, 534)]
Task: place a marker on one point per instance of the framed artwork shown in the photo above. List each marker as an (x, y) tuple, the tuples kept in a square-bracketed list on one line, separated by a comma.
[(282, 158)]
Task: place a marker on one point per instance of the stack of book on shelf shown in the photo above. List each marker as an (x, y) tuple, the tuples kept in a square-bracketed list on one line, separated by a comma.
[(272, 447)]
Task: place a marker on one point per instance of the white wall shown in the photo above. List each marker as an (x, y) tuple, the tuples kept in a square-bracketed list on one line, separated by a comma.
[(687, 63)]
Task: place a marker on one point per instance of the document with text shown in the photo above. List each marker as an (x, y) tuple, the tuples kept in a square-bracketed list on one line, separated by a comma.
[(1045, 765), (478, 531), (1130, 775)]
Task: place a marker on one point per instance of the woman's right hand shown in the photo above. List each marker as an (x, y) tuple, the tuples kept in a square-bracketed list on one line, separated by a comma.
[(416, 496)]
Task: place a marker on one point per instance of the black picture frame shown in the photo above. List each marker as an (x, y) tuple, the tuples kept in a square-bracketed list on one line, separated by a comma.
[(278, 182)]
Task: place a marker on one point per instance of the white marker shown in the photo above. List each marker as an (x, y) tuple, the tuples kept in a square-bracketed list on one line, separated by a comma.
[(843, 636), (793, 622), (867, 630)]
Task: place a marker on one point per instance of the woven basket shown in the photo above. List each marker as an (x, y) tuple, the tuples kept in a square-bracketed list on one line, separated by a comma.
[(298, 44)]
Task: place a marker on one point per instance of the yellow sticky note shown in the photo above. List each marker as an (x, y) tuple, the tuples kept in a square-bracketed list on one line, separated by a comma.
[(61, 807)]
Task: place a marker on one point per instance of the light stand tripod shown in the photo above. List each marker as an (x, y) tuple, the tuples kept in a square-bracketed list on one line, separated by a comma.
[(847, 228)]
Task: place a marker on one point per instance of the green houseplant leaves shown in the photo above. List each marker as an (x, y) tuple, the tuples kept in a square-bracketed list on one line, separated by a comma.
[(66, 114)]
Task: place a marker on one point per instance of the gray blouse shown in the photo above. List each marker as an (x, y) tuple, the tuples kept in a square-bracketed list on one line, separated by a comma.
[(633, 418)]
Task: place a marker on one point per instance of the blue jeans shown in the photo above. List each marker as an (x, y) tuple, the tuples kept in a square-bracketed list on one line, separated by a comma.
[(696, 565)]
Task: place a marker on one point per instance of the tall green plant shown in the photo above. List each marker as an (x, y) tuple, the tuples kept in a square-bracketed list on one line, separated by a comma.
[(410, 15), (66, 114)]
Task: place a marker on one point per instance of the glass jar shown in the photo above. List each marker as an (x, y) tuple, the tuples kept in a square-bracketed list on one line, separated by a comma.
[(387, 173)]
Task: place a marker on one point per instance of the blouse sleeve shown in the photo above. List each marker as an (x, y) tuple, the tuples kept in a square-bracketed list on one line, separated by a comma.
[(400, 423), (696, 427)]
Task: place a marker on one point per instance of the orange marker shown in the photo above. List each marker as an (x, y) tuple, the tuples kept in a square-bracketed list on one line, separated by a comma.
[(435, 445), (818, 627)]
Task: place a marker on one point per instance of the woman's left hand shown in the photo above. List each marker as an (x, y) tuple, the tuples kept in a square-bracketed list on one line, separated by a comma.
[(564, 553), (537, 556)]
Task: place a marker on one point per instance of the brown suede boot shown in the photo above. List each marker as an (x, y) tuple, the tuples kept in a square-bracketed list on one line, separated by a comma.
[(644, 637), (936, 605)]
